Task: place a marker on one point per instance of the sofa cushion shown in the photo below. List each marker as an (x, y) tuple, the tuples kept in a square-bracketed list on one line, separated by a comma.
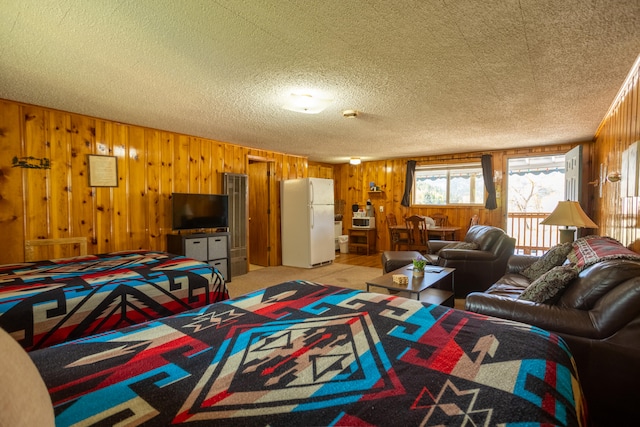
[(24, 398), (548, 286), (393, 260), (511, 285), (596, 281), (553, 257), (484, 236), (460, 245)]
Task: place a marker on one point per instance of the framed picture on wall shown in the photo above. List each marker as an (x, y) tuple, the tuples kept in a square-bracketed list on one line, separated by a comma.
[(103, 171)]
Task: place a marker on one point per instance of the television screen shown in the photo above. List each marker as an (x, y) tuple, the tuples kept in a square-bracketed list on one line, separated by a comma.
[(194, 211)]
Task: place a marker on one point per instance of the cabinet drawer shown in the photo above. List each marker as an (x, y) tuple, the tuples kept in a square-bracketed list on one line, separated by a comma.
[(196, 248), (221, 265), (217, 247)]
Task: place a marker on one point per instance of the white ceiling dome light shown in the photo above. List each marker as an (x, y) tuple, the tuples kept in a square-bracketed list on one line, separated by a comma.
[(306, 103)]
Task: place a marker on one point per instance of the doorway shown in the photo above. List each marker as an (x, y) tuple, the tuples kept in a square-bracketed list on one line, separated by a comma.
[(535, 186), (260, 195)]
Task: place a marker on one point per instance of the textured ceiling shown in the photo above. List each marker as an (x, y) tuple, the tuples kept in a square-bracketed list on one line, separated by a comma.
[(428, 77)]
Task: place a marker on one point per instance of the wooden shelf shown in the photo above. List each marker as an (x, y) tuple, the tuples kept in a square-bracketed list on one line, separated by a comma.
[(363, 238)]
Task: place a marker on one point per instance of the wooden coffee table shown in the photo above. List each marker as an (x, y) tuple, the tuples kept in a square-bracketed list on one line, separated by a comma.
[(434, 287)]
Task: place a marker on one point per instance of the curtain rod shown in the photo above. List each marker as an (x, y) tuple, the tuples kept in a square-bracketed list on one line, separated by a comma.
[(478, 156)]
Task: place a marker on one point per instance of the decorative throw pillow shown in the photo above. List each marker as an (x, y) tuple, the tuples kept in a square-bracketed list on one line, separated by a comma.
[(460, 245), (552, 258), (550, 285)]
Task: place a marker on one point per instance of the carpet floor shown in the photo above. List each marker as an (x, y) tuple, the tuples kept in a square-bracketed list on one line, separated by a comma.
[(344, 275)]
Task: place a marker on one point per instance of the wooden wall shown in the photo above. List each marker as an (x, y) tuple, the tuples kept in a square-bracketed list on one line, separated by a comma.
[(352, 186), (58, 202), (616, 214)]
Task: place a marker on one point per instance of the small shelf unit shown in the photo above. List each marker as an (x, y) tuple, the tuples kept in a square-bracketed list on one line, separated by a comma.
[(212, 248)]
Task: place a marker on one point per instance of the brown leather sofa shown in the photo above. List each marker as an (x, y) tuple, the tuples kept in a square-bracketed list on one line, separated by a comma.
[(477, 268), (598, 315)]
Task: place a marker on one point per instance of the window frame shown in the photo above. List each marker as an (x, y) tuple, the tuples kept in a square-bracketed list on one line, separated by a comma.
[(448, 168)]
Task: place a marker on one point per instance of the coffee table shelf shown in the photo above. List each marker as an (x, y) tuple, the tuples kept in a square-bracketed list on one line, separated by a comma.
[(435, 287)]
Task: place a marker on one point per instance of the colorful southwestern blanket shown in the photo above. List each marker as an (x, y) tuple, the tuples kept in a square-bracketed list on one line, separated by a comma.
[(305, 354), (590, 250), (48, 302)]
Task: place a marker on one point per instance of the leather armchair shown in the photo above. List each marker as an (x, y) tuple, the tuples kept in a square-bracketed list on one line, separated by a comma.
[(476, 269), (598, 316)]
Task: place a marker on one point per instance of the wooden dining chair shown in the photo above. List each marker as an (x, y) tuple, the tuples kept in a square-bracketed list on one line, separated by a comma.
[(440, 219), (397, 236), (417, 233)]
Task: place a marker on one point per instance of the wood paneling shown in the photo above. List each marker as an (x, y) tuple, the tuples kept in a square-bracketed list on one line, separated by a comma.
[(12, 215), (58, 202), (615, 213)]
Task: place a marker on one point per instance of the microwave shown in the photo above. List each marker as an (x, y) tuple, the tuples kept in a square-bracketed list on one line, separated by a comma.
[(363, 222)]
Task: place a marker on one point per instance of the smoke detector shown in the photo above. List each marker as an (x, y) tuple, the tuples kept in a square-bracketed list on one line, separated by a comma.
[(350, 114)]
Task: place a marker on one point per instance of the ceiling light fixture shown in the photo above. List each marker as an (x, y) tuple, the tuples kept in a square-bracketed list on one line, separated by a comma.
[(355, 161), (350, 114), (306, 103)]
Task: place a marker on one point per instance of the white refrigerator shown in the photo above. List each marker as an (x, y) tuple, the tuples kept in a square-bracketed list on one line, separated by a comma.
[(307, 222)]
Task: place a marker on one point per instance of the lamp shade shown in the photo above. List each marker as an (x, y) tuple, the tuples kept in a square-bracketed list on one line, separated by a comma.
[(569, 213)]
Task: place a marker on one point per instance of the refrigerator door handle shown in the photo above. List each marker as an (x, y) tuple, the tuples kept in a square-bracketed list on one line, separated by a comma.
[(311, 192), (312, 217)]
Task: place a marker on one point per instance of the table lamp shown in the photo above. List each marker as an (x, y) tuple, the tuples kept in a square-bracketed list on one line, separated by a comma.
[(568, 214)]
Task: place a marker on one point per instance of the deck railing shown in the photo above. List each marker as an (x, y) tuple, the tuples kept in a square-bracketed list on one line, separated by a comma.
[(532, 238)]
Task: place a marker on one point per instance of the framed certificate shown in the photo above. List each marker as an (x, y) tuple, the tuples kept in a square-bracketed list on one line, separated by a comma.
[(103, 171)]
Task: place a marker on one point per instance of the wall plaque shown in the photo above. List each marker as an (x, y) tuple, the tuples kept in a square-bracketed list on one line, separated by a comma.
[(103, 171)]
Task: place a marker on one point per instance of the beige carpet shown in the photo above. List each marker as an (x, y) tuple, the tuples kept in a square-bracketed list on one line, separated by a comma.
[(344, 275)]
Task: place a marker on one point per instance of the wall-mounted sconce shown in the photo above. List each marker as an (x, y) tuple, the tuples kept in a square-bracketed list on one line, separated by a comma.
[(614, 177)]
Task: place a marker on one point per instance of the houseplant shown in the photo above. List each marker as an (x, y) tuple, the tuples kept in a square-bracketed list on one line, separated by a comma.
[(418, 266)]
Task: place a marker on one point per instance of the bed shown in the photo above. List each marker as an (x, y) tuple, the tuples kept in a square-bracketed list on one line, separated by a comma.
[(48, 302), (305, 354)]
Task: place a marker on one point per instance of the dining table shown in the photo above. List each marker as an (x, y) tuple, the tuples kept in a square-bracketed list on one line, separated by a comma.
[(435, 233), (444, 233)]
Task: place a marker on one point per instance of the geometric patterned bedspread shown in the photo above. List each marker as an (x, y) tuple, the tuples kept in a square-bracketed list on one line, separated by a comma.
[(305, 354), (48, 302)]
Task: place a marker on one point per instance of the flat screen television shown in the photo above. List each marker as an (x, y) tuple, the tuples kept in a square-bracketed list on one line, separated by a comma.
[(198, 211)]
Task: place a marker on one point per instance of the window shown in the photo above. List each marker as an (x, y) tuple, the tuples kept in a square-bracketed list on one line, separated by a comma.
[(448, 185)]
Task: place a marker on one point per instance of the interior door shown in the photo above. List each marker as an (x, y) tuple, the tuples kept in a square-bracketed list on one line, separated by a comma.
[(573, 174), (259, 196)]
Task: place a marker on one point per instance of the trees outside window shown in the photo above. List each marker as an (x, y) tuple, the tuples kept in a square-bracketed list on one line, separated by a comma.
[(535, 184), (448, 185)]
